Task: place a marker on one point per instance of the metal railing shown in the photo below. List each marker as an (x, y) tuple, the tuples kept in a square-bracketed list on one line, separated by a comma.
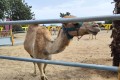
[(73, 64), (64, 20)]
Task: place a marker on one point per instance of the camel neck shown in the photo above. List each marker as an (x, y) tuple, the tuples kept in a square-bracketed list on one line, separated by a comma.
[(59, 44)]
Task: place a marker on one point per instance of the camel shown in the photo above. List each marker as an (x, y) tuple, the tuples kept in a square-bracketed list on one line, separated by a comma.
[(93, 36), (38, 42)]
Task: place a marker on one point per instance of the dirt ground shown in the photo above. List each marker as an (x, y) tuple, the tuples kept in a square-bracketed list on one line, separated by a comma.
[(83, 51)]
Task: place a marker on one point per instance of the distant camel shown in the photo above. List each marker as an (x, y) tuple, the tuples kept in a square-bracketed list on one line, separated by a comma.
[(38, 42), (93, 35)]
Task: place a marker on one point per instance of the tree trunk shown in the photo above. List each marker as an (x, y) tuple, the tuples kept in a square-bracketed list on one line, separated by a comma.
[(115, 45)]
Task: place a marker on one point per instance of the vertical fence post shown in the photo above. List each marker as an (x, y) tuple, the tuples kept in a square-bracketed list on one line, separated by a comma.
[(12, 37)]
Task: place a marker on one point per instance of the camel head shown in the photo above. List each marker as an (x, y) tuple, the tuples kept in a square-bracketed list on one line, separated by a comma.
[(79, 28), (72, 28)]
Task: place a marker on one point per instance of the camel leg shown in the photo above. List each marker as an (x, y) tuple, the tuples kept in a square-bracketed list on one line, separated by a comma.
[(40, 66), (95, 36), (34, 74), (89, 36), (92, 36), (45, 65), (34, 69)]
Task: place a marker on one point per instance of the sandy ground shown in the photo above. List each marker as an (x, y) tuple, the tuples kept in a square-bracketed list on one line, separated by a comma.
[(83, 51)]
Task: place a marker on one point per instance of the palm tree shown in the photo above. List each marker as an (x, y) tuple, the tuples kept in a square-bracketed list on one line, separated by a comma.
[(115, 45)]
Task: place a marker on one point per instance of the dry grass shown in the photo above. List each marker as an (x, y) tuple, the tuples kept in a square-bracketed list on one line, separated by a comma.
[(83, 51)]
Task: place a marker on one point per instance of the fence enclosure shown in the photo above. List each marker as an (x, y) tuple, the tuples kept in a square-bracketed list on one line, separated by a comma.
[(83, 19)]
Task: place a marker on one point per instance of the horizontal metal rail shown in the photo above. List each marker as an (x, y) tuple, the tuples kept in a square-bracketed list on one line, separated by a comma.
[(64, 20), (73, 64)]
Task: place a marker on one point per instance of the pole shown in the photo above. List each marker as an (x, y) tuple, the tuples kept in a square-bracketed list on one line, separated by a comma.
[(73, 64)]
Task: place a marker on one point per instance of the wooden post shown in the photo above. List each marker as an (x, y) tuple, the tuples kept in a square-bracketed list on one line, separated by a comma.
[(12, 37)]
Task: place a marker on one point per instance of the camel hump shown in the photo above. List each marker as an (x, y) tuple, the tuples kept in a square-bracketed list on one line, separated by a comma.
[(45, 32), (71, 16), (42, 37)]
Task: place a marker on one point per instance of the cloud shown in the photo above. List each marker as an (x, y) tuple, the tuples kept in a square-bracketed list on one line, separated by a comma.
[(80, 8)]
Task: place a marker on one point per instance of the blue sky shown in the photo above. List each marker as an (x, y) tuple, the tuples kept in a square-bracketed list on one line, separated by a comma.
[(50, 9)]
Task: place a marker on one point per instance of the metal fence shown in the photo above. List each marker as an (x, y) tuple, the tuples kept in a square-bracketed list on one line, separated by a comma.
[(65, 20), (73, 64)]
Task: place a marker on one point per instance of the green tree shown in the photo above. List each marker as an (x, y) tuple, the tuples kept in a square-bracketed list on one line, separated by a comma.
[(108, 22), (18, 10), (3, 8), (66, 14)]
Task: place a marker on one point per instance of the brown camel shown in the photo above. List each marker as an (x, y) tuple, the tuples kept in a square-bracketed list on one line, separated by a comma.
[(38, 42), (93, 35)]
